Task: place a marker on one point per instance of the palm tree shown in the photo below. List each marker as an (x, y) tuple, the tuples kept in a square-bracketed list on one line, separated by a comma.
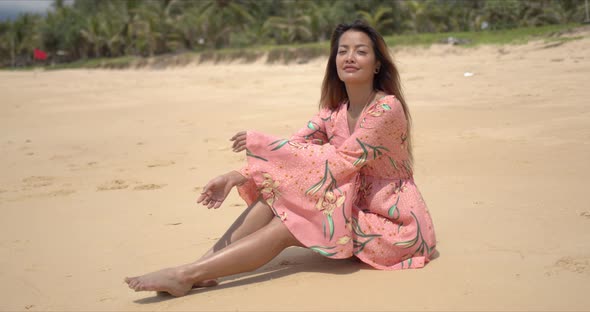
[(20, 38), (500, 14), (541, 13), (153, 26), (380, 19), (293, 26), (190, 27), (221, 18), (92, 35), (60, 31), (326, 14)]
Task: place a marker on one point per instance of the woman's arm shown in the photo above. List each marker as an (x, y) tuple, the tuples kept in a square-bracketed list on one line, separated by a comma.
[(315, 130), (381, 134)]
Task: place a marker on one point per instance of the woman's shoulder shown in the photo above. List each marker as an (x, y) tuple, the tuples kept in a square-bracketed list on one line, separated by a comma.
[(386, 98), (386, 101)]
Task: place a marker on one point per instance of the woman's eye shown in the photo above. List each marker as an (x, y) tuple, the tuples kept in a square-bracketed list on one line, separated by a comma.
[(362, 52), (342, 52)]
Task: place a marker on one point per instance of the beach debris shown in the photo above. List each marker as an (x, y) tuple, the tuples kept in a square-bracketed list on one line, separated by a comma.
[(455, 41), (468, 74)]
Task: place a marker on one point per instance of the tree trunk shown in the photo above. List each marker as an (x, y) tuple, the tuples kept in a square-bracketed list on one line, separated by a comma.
[(13, 52)]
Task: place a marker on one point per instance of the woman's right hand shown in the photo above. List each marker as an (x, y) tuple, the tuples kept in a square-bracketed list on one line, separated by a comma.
[(215, 192)]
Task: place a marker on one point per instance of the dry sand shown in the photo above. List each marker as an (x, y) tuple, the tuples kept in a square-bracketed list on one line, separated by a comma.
[(100, 171)]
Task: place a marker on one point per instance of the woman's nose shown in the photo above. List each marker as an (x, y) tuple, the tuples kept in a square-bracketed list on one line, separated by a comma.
[(349, 58)]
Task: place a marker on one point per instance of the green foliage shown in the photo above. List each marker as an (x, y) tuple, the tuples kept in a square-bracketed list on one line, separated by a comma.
[(380, 19), (112, 28), (18, 38)]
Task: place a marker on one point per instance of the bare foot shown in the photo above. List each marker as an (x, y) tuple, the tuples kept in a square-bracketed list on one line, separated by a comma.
[(167, 280)]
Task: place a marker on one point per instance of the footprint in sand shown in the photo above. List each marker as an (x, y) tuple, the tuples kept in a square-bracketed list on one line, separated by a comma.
[(113, 185), (61, 158), (573, 264), (37, 181), (56, 193), (78, 167), (502, 51), (61, 193), (122, 184), (186, 122), (164, 163), (148, 187)]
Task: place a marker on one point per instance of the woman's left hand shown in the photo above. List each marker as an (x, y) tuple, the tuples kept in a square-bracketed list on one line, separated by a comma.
[(239, 141)]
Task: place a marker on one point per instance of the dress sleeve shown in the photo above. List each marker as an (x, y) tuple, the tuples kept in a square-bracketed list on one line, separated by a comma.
[(322, 168), (315, 130)]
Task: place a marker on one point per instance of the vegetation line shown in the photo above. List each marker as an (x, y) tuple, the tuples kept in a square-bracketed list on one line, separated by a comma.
[(123, 33), (302, 53)]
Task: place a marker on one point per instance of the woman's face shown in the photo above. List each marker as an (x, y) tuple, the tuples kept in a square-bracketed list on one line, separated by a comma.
[(355, 59)]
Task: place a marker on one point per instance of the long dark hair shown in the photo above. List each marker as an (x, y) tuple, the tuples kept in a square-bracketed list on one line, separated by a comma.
[(386, 80)]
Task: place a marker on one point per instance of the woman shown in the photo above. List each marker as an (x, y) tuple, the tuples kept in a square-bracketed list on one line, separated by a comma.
[(341, 186)]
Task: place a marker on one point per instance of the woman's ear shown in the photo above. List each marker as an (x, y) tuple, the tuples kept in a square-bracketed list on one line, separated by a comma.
[(377, 67)]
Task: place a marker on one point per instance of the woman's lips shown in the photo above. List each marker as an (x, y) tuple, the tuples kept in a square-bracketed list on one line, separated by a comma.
[(350, 69)]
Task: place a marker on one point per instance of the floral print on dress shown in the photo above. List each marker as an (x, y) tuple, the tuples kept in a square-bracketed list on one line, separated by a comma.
[(343, 194)]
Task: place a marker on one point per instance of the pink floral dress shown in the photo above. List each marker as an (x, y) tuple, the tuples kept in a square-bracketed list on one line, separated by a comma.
[(343, 194)]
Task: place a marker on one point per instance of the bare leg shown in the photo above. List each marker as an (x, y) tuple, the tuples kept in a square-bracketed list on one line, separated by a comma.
[(251, 220), (245, 255)]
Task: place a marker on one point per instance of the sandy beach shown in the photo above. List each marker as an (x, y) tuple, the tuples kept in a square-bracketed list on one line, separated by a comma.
[(100, 171)]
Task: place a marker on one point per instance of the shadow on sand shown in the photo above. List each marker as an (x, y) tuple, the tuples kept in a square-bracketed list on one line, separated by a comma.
[(290, 261)]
